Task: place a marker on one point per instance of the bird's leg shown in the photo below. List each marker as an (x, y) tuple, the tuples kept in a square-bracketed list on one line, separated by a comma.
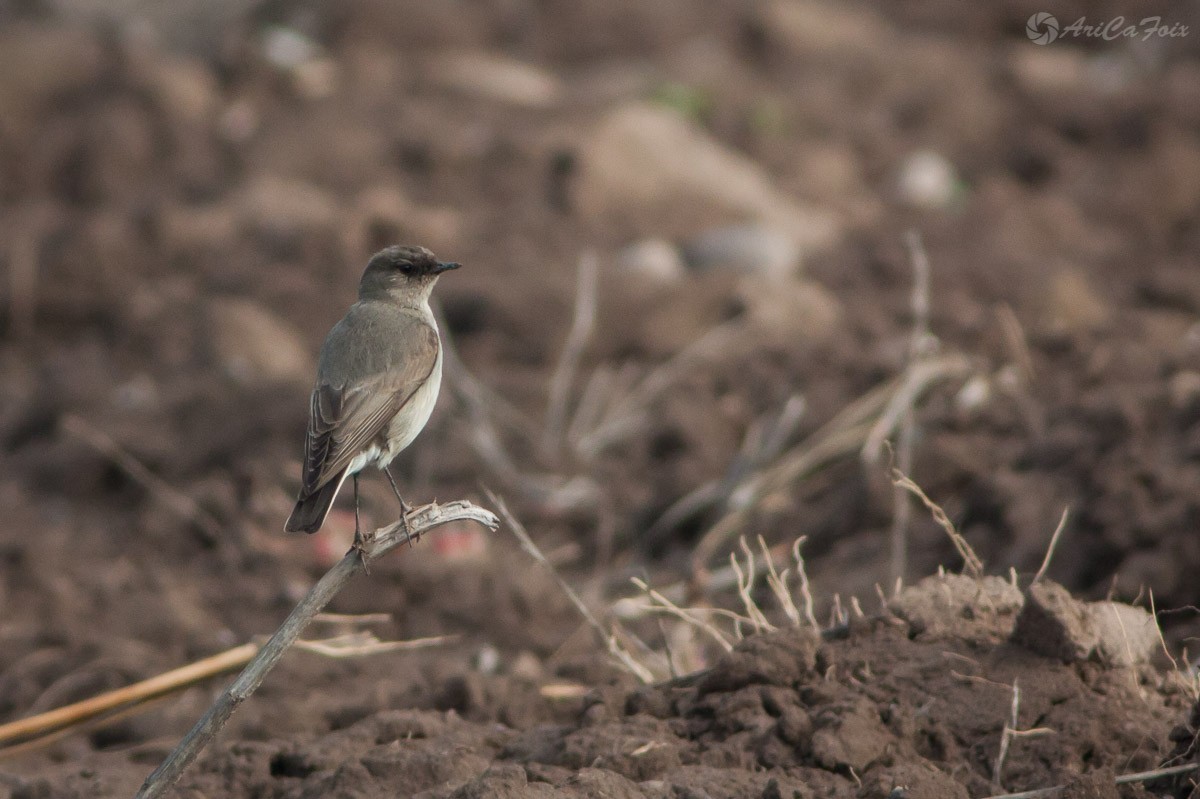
[(360, 540), (405, 508)]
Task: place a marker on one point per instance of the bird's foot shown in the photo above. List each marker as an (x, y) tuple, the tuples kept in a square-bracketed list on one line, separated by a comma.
[(409, 535), (361, 542)]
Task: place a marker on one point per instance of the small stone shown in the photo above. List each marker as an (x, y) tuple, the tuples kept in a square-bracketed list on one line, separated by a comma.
[(1054, 624), (974, 396), (780, 659), (655, 259), (927, 180), (955, 603), (1184, 389), (1071, 305), (752, 249), (853, 739), (495, 77), (642, 161), (1127, 635), (285, 206)]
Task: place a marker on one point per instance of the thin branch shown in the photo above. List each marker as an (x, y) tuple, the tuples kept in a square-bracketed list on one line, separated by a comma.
[(381, 542)]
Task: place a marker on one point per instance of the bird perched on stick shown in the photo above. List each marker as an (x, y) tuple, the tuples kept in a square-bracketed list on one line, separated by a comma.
[(377, 382)]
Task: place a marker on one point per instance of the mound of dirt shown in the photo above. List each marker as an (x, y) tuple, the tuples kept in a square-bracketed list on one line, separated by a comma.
[(880, 707)]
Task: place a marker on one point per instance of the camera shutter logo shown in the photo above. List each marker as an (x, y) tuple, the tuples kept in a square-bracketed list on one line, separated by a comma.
[(1042, 28)]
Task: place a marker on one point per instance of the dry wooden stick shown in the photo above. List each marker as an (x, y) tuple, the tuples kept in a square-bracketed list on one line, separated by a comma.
[(381, 542), (138, 692)]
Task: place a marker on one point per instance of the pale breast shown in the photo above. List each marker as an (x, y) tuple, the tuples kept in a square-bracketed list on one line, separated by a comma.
[(411, 419)]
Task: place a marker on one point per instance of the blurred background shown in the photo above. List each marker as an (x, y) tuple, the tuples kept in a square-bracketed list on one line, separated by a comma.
[(692, 309)]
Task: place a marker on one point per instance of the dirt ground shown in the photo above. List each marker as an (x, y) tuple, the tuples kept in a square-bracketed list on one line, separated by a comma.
[(187, 198)]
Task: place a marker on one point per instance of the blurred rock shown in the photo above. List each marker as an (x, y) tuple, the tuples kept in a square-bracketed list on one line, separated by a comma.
[(1184, 389), (186, 89), (645, 161), (904, 780), (810, 27), (1059, 69), (280, 206), (791, 309), (974, 396), (853, 739), (656, 259), (255, 346), (1054, 624), (489, 76), (1127, 635), (189, 229), (752, 249), (1071, 305), (40, 65), (286, 48), (927, 180), (954, 603)]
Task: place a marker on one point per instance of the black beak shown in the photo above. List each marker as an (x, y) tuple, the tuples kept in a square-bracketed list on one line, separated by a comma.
[(446, 267)]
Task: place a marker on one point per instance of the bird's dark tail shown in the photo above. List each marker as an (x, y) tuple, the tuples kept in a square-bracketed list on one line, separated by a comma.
[(311, 510)]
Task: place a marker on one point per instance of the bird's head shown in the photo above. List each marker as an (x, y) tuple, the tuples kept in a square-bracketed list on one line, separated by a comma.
[(402, 272)]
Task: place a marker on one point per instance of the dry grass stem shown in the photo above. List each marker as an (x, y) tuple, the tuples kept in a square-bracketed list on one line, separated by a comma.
[(914, 382), (615, 649), (971, 562), (846, 433), (1123, 779), (778, 583), (763, 442), (754, 613), (1062, 524), (684, 615), (805, 588), (1007, 733), (362, 644), (628, 414), (563, 378)]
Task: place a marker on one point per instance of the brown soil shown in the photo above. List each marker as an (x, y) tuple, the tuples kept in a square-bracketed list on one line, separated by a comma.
[(182, 218)]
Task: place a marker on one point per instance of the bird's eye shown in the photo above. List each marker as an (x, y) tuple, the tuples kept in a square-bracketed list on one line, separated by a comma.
[(406, 268)]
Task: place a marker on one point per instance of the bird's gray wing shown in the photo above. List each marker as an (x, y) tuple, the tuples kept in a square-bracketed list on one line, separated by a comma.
[(345, 417)]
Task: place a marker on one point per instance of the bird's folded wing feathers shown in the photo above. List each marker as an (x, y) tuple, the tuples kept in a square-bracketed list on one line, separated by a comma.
[(344, 420)]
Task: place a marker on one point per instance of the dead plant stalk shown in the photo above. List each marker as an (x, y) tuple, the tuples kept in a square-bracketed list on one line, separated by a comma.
[(382, 541)]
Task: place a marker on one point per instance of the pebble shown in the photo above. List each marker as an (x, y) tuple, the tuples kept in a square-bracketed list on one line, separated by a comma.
[(656, 259), (498, 78), (644, 161), (750, 249), (927, 179)]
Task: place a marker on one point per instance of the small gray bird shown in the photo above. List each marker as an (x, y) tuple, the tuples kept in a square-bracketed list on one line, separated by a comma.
[(377, 382)]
